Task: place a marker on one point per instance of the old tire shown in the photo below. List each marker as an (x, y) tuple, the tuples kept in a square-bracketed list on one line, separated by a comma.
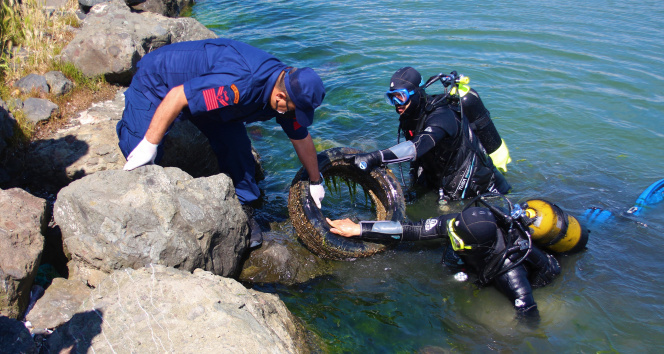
[(309, 222)]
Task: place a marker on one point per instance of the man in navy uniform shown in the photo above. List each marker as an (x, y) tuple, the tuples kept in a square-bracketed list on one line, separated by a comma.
[(219, 85)]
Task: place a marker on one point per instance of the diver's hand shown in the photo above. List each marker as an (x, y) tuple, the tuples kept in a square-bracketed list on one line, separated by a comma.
[(317, 193), (143, 154), (344, 227), (365, 161)]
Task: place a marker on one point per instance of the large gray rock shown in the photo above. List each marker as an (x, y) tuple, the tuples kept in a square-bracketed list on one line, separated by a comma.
[(90, 3), (126, 219), (23, 219), (164, 310), (113, 39), (170, 8)]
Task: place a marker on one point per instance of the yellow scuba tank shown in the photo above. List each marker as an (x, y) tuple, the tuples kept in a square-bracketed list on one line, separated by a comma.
[(553, 229)]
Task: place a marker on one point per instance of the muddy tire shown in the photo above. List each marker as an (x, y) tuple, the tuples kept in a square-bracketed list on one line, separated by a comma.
[(309, 222)]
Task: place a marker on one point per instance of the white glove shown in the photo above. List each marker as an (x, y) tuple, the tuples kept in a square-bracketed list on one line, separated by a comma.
[(143, 154), (461, 276), (317, 192)]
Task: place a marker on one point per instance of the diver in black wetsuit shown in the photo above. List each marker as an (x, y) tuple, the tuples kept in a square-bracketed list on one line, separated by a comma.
[(445, 154), (491, 244)]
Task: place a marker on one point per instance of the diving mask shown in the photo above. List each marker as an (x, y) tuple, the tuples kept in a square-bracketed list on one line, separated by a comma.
[(455, 240), (398, 97)]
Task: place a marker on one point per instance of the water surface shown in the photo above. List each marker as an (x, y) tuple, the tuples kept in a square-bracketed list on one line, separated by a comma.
[(574, 87)]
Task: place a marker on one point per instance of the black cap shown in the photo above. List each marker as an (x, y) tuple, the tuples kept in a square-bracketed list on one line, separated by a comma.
[(476, 226), (306, 90), (407, 78)]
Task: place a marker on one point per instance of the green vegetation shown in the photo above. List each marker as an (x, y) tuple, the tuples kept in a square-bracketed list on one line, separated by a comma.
[(31, 38), (333, 184), (76, 76)]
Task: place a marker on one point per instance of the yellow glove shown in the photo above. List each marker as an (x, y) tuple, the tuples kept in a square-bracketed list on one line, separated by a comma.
[(501, 157)]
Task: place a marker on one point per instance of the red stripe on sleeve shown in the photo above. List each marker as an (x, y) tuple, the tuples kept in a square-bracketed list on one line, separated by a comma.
[(210, 99)]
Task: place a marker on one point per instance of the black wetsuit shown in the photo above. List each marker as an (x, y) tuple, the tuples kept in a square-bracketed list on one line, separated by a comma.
[(449, 155), (492, 258)]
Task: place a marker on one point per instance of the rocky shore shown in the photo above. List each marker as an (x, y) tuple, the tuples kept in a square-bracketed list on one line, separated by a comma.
[(148, 260)]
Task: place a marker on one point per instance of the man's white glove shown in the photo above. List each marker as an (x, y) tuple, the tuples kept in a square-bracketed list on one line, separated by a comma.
[(317, 191), (461, 276), (143, 154)]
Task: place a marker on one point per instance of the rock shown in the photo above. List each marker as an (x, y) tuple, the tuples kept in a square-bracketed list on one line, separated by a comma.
[(113, 39), (39, 109), (170, 8), (161, 309), (32, 82), (90, 145), (90, 3), (81, 15), (54, 4), (15, 338), (14, 104), (127, 219), (49, 7), (7, 123), (72, 154), (282, 259), (5, 177), (58, 84), (59, 304), (23, 219), (82, 273), (187, 148)]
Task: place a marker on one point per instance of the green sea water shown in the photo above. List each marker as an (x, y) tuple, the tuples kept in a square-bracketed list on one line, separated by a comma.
[(575, 89)]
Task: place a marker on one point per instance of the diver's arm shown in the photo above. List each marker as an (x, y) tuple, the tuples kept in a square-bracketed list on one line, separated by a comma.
[(402, 152), (440, 125), (544, 267), (398, 153), (515, 285), (406, 151), (392, 230)]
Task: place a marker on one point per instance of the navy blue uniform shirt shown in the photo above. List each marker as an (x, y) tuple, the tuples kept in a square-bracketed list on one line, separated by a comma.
[(231, 80)]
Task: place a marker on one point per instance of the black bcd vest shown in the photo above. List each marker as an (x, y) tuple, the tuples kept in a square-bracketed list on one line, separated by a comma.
[(457, 164)]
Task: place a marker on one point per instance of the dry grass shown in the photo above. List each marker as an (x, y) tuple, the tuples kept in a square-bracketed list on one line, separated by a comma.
[(40, 37), (31, 41)]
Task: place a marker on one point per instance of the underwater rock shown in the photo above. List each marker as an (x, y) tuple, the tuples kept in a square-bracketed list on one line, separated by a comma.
[(282, 259)]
